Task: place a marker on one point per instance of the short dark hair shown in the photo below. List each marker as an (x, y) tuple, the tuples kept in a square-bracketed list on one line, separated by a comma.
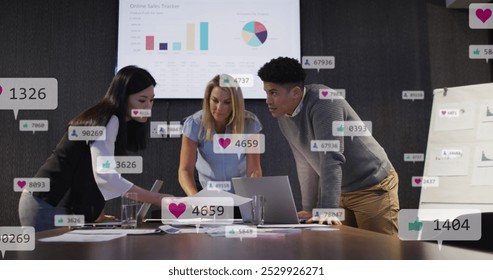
[(283, 71)]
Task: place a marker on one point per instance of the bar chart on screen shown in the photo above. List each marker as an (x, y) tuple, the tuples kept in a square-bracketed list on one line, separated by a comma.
[(185, 44)]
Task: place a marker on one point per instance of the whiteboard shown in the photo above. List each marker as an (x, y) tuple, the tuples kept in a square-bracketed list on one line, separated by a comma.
[(459, 155)]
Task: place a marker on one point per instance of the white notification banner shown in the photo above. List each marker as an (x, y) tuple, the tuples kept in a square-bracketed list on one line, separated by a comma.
[(480, 16), (481, 52), (318, 62), (236, 80), (451, 153), (240, 232), (440, 224), (162, 129), (33, 125), (32, 184), (449, 113), (219, 185), (119, 164), (425, 181), (86, 133), (16, 239), (351, 128), (28, 94), (239, 144), (413, 94), (414, 157), (197, 210), (328, 93), (325, 146), (69, 220), (141, 113), (175, 129), (325, 213)]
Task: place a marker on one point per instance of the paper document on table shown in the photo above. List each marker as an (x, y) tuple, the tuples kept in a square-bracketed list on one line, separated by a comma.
[(238, 200), (293, 226), (71, 237), (174, 230), (95, 235), (113, 231)]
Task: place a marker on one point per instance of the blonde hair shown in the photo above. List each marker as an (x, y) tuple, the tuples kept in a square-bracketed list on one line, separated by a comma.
[(237, 117)]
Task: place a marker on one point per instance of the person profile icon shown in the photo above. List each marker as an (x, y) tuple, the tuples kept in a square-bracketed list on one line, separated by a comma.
[(307, 62), (315, 145), (74, 133)]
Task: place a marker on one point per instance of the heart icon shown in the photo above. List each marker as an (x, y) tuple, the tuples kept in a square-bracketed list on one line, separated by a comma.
[(417, 181), (483, 15), (177, 209), (224, 142), (135, 112), (324, 93), (21, 184), (1, 89), (444, 112)]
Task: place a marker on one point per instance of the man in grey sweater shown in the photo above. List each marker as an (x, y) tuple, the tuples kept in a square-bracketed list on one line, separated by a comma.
[(357, 177)]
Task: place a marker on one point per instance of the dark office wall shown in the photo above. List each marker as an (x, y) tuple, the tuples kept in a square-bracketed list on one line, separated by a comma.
[(381, 47)]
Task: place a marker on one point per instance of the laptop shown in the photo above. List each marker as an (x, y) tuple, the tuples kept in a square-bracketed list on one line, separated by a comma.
[(144, 208), (279, 202), (141, 213)]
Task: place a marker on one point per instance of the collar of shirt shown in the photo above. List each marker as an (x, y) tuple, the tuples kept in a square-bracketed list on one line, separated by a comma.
[(298, 108)]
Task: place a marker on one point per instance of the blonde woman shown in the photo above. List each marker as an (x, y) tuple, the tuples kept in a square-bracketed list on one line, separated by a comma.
[(223, 111)]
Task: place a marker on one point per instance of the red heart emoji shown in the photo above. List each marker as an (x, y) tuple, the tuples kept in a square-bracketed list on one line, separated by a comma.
[(417, 181), (224, 142), (135, 112), (177, 209), (444, 112), (324, 93), (21, 184), (483, 15)]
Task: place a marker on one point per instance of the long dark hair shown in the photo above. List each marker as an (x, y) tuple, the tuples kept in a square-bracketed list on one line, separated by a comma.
[(131, 135)]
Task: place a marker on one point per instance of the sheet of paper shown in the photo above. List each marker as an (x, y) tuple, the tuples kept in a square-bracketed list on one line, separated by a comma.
[(482, 174), (238, 200), (273, 235), (293, 226), (280, 230), (70, 237), (95, 235), (448, 160), (455, 116), (323, 229), (179, 230), (485, 121), (113, 231)]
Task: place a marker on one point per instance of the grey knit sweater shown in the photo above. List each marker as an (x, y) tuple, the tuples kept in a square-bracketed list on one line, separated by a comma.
[(361, 163)]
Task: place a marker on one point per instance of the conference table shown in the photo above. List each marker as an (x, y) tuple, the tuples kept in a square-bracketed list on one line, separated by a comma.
[(346, 243)]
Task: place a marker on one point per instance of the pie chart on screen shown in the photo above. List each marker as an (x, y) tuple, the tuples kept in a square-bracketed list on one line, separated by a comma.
[(254, 33)]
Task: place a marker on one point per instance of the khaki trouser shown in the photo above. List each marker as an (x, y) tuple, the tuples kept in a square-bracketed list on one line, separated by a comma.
[(374, 208)]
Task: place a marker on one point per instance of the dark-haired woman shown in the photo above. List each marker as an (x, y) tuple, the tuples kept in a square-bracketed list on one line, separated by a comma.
[(75, 186)]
